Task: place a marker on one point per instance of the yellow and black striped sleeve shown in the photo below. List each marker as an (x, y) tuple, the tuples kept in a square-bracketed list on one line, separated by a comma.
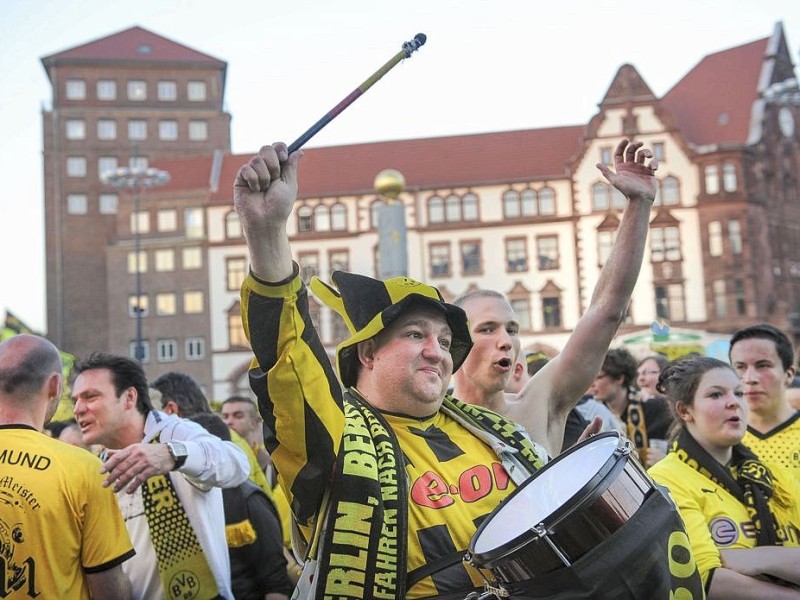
[(298, 394)]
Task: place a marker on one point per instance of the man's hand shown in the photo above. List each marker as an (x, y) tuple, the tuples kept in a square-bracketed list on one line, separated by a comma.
[(130, 467), (265, 188), (635, 179)]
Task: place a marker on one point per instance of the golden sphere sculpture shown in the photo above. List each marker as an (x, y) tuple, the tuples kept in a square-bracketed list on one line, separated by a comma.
[(390, 183)]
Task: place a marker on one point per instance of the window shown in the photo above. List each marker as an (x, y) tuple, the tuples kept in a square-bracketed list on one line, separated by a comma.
[(198, 130), (141, 263), (600, 199), (137, 90), (339, 217), (516, 255), (137, 129), (77, 204), (669, 302), (339, 260), (735, 236), (547, 252), (469, 207), (145, 347), (194, 223), (140, 222), (196, 91), (106, 129), (322, 218), (547, 202), (658, 150), (618, 199), (665, 244), (605, 155), (715, 238), (235, 272), (739, 299), (233, 226), (712, 179), (192, 258), (195, 348), (309, 265), (165, 304), (440, 260), (720, 302), (108, 204), (529, 203), (76, 166), (167, 90), (106, 165), (167, 350), (164, 259), (729, 183), (167, 219), (236, 335), (511, 206), (670, 192), (168, 130), (138, 163), (76, 129), (193, 302), (106, 89), (471, 258), (374, 213), (551, 312), (605, 242), (435, 210), (339, 330), (141, 305), (76, 89), (305, 219), (452, 208), (522, 306)]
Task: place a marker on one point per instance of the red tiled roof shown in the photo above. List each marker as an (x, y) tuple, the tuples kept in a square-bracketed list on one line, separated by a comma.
[(440, 162), (132, 44), (712, 103), (186, 173)]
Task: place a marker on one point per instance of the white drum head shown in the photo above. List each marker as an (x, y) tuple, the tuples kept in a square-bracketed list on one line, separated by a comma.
[(543, 494)]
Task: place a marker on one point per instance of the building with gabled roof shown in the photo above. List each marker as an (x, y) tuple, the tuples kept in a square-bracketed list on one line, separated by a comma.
[(524, 212)]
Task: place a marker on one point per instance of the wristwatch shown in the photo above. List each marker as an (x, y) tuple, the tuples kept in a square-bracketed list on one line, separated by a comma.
[(177, 450)]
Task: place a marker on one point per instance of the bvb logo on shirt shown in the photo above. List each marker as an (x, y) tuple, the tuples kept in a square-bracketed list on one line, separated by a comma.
[(184, 585)]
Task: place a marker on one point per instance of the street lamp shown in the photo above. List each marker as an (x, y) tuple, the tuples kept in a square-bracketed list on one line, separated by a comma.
[(392, 244), (136, 179)]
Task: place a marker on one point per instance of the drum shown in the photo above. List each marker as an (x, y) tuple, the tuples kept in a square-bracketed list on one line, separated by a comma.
[(564, 510)]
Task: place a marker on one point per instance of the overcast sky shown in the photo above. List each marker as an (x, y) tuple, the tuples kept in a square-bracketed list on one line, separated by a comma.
[(488, 65)]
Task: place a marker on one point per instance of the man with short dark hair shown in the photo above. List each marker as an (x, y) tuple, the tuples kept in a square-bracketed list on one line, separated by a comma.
[(61, 535), (763, 357), (166, 472)]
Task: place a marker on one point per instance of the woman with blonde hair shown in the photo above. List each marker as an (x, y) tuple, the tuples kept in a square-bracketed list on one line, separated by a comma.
[(741, 514)]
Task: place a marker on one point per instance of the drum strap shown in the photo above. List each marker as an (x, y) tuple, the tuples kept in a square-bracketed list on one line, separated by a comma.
[(635, 424), (434, 566)]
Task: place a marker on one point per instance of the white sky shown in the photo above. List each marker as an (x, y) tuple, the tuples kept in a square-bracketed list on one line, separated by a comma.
[(488, 65)]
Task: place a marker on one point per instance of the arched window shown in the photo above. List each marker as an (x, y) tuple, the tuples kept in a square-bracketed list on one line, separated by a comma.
[(304, 218), (547, 201), (339, 217), (600, 199), (233, 226), (511, 204), (322, 218), (470, 207), (528, 201), (374, 210), (670, 193), (452, 209), (435, 210)]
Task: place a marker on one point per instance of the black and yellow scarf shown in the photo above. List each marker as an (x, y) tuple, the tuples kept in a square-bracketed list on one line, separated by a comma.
[(366, 532), (747, 479)]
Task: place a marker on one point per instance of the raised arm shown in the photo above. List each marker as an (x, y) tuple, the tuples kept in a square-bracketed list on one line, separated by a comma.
[(263, 193), (568, 375)]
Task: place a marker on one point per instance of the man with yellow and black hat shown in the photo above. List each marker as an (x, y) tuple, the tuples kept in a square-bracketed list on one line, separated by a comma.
[(389, 477)]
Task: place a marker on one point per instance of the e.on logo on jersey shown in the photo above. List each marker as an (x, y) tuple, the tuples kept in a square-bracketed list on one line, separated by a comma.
[(431, 491), (724, 531)]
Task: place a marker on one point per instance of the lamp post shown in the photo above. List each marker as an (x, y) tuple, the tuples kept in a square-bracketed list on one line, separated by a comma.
[(136, 179), (392, 244)]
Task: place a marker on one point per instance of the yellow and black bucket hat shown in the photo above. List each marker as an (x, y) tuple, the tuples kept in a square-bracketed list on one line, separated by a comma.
[(369, 305)]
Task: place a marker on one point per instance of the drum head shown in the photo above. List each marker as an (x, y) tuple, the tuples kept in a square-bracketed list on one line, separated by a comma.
[(539, 499)]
